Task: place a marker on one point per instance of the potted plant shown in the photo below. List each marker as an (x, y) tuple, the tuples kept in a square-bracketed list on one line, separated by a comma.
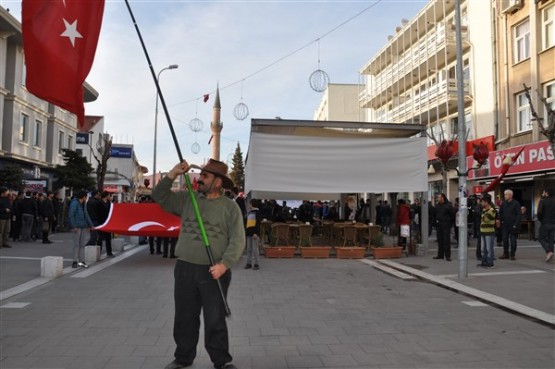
[(279, 251), (314, 252), (380, 251), (350, 252)]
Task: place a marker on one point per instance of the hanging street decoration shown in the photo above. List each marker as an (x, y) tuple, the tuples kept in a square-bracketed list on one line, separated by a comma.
[(319, 80), (241, 111), (195, 148), (196, 125)]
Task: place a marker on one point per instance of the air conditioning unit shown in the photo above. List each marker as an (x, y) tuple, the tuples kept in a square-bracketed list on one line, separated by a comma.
[(510, 6)]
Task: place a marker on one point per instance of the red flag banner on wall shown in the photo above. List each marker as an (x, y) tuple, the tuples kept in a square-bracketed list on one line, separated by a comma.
[(59, 41)]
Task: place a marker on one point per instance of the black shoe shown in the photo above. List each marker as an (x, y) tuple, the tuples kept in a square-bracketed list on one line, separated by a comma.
[(165, 256), (46, 241), (158, 252), (448, 259), (225, 366), (176, 365), (248, 266), (74, 265), (437, 258), (479, 258), (111, 255), (256, 267), (504, 256), (481, 265), (513, 257), (173, 257), (6, 247)]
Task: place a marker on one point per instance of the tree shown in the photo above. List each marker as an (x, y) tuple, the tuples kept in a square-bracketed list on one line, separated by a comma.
[(104, 149), (76, 173), (12, 176), (238, 171), (545, 125)]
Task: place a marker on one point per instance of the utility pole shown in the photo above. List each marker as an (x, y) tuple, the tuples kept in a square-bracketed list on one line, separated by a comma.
[(462, 215)]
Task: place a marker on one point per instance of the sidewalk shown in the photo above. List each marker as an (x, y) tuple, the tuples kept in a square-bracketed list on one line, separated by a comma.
[(293, 313)]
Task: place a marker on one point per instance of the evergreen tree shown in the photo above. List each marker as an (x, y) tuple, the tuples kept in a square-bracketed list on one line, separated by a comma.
[(76, 173), (238, 171), (11, 176)]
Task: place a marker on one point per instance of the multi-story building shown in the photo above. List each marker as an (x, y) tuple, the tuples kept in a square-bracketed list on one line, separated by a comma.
[(524, 52), (33, 132), (340, 103), (413, 78)]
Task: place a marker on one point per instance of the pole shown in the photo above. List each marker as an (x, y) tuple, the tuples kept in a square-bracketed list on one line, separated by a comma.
[(172, 66), (462, 215), (180, 156)]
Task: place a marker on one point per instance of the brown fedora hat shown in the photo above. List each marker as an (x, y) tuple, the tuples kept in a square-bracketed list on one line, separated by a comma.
[(219, 169)]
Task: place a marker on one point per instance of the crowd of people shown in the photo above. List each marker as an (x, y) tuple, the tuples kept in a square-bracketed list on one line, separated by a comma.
[(29, 216)]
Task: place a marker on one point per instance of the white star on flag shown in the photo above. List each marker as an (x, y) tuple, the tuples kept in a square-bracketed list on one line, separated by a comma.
[(71, 32)]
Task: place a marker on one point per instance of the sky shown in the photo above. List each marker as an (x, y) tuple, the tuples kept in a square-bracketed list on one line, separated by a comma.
[(230, 44)]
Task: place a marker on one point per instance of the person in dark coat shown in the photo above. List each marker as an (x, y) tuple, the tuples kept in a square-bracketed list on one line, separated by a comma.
[(240, 201), (29, 212), (445, 218), (5, 216), (509, 214), (94, 207), (252, 231), (103, 211), (546, 215), (47, 216)]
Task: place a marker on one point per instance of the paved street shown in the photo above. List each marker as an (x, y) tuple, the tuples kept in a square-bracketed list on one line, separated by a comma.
[(293, 313)]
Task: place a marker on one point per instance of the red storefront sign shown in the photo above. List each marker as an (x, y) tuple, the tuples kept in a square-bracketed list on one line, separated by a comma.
[(535, 157)]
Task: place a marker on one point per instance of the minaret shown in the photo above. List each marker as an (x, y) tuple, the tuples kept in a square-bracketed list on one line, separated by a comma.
[(216, 125)]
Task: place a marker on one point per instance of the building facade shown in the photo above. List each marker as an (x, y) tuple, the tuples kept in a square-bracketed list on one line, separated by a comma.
[(413, 79), (524, 56)]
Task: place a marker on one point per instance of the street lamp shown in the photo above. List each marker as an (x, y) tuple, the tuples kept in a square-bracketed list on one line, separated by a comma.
[(172, 66)]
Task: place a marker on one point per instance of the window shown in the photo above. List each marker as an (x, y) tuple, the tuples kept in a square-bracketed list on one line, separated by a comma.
[(24, 128), (37, 137), (522, 41), (61, 138), (69, 142), (522, 113), (548, 27), (550, 98), (468, 126)]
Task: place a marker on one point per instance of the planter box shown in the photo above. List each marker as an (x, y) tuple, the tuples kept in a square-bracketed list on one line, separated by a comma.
[(350, 252), (317, 252), (279, 251), (387, 252)]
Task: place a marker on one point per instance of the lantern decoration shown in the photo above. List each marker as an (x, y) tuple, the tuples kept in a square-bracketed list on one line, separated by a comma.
[(481, 153), (319, 79), (241, 111), (195, 148), (196, 125), (445, 151)]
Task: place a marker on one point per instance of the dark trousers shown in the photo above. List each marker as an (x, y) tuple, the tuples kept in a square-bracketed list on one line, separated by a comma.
[(107, 238), (444, 240), (151, 245), (547, 237), (196, 290), (509, 238)]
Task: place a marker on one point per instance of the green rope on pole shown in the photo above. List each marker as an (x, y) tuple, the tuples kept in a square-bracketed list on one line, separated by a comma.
[(197, 212)]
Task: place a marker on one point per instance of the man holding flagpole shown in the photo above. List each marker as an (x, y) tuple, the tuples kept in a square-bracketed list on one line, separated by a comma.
[(196, 285)]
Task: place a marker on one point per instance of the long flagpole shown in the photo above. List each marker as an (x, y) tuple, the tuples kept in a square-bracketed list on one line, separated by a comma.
[(187, 179)]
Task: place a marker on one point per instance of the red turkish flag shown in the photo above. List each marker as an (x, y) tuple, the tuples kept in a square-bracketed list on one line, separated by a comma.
[(59, 41), (205, 97)]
